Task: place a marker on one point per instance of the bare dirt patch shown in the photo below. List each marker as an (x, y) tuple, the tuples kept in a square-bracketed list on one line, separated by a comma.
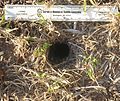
[(90, 72)]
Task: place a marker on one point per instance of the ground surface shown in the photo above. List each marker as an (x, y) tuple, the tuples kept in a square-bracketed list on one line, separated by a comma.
[(91, 72)]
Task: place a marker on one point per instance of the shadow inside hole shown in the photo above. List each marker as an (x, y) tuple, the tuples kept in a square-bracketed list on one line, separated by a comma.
[(58, 52)]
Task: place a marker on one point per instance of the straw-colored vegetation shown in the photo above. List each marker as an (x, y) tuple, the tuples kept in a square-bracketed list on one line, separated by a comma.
[(90, 73)]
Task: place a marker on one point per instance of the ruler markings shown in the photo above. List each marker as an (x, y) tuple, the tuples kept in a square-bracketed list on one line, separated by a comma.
[(60, 12)]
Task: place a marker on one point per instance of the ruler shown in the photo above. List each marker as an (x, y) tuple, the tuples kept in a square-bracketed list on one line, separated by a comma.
[(60, 13)]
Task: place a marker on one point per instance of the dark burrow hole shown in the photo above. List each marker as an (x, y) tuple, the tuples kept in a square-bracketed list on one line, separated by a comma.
[(58, 52)]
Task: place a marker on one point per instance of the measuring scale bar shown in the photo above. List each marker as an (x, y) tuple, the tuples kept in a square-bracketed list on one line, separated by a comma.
[(60, 13)]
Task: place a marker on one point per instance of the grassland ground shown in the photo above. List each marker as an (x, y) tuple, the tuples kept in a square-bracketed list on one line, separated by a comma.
[(91, 72)]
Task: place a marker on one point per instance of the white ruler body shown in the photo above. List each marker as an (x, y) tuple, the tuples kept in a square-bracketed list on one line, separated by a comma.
[(60, 13)]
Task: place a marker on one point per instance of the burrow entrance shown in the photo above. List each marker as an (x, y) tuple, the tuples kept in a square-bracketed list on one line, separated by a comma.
[(58, 52)]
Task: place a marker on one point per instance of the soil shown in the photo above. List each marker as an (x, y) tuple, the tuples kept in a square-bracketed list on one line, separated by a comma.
[(90, 72)]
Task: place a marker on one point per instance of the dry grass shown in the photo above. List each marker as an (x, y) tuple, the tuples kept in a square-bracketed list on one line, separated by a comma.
[(92, 73)]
